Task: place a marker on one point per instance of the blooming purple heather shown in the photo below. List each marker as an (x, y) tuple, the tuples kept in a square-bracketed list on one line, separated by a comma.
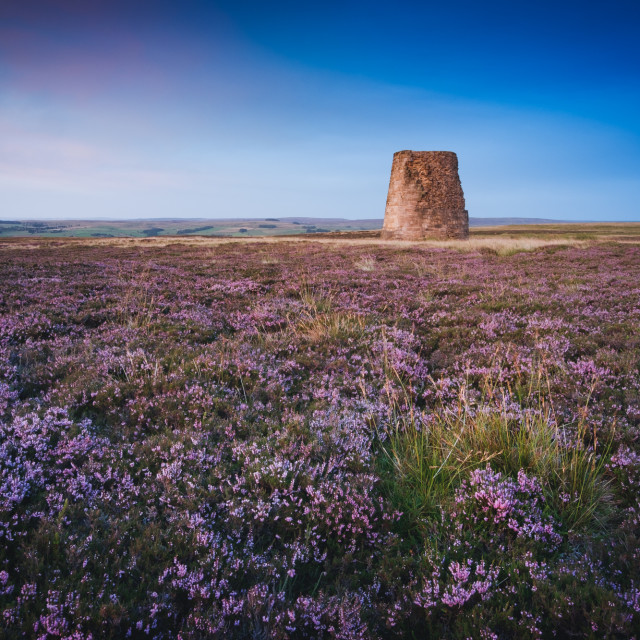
[(269, 441)]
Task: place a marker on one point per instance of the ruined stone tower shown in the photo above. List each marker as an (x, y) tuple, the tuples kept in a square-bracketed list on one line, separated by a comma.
[(425, 197)]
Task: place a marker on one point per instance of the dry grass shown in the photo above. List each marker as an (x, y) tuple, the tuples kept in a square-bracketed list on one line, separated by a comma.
[(501, 245), (367, 263), (587, 230), (333, 326), (320, 322)]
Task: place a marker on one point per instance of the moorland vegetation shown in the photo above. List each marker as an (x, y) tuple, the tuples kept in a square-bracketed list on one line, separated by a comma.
[(306, 439)]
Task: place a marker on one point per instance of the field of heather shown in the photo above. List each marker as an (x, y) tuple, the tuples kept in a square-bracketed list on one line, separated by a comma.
[(305, 439)]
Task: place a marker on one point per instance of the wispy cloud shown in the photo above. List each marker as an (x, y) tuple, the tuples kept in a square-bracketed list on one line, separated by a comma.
[(46, 161)]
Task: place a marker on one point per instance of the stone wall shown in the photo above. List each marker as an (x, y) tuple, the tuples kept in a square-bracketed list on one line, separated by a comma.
[(425, 197)]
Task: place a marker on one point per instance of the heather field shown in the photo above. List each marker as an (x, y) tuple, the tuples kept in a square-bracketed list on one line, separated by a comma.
[(320, 439)]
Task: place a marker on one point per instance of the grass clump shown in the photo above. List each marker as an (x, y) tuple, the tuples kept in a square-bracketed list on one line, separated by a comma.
[(498, 505), (430, 456)]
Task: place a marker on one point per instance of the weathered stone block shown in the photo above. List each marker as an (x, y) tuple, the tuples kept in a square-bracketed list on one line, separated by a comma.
[(425, 197)]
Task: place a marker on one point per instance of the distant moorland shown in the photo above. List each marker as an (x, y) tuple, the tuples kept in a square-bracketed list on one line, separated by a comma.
[(181, 227), (148, 228)]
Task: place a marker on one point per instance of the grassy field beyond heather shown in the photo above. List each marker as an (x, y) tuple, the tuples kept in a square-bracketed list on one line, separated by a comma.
[(328, 437)]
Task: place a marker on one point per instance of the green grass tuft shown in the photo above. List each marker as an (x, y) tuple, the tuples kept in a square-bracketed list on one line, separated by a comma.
[(426, 458)]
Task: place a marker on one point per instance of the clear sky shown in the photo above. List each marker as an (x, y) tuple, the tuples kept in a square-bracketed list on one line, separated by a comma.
[(241, 108)]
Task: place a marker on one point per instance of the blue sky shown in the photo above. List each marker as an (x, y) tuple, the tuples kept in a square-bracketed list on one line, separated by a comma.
[(220, 108)]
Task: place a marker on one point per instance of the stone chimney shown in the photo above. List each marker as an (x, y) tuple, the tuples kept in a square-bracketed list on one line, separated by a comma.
[(425, 197)]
